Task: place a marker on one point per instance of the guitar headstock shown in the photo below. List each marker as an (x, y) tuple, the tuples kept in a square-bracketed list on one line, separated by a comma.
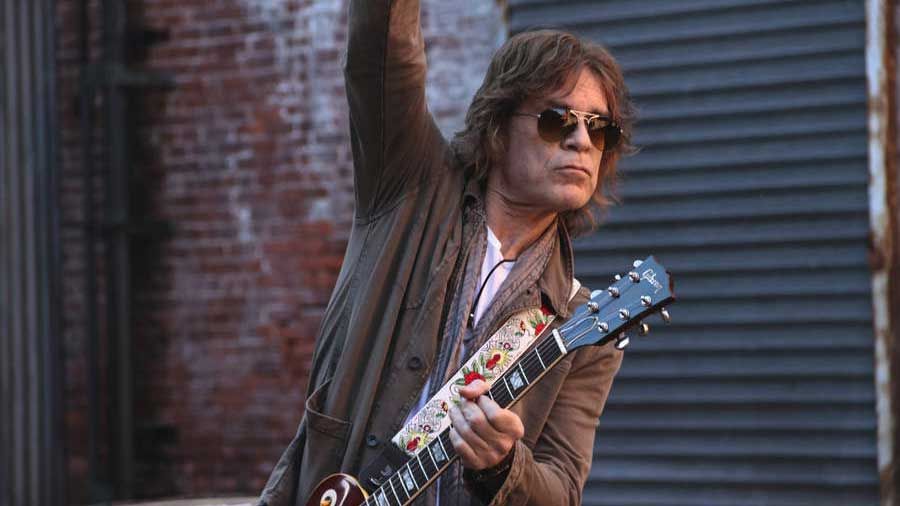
[(645, 289)]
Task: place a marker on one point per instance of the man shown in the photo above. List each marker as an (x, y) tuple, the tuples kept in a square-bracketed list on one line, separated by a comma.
[(449, 241)]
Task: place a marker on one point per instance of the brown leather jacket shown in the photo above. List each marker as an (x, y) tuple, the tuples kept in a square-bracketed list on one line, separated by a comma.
[(381, 327)]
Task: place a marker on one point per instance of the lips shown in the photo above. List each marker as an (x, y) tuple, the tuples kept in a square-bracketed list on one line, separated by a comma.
[(577, 167)]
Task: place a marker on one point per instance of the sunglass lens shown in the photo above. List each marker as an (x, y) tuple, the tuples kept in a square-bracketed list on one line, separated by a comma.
[(611, 136), (604, 134), (551, 125)]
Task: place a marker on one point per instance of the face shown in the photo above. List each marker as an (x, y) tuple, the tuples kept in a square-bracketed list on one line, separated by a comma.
[(551, 177)]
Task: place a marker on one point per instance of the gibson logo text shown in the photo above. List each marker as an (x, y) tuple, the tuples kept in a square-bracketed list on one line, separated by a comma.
[(650, 276)]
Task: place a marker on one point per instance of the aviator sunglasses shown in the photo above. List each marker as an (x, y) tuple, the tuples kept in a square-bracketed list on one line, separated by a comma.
[(556, 123)]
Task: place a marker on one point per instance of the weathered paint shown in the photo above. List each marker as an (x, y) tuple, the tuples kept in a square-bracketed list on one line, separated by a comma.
[(882, 208)]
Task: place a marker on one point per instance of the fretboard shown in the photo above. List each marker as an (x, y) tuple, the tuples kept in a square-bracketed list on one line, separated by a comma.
[(419, 471)]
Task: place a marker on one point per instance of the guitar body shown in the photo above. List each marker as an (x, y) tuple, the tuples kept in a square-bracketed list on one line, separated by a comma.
[(337, 490)]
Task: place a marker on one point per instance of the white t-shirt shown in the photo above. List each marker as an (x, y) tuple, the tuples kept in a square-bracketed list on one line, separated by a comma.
[(492, 256)]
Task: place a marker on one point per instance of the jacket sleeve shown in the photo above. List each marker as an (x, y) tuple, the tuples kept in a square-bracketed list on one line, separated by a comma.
[(393, 136), (555, 471)]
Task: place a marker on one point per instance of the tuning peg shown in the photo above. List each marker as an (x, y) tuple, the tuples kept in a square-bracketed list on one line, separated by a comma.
[(613, 291), (643, 329), (635, 277), (622, 341), (617, 277), (646, 300), (603, 326), (593, 306), (624, 314), (637, 263), (665, 315)]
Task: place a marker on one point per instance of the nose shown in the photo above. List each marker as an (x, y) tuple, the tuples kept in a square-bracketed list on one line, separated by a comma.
[(578, 140)]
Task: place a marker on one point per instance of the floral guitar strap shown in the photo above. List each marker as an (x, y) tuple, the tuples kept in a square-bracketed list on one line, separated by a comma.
[(490, 361)]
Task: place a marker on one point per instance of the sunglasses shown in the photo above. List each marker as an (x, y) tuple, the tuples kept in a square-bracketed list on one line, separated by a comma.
[(556, 123)]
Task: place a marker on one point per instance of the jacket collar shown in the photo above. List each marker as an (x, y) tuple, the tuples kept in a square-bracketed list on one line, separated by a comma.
[(556, 281)]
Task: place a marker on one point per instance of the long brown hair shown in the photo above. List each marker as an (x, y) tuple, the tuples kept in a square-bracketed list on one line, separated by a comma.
[(527, 66)]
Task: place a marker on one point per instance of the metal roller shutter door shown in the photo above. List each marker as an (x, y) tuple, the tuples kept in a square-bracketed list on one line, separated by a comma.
[(752, 188)]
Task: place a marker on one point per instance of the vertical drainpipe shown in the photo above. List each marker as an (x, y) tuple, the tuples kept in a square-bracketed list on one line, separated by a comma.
[(880, 68), (117, 249)]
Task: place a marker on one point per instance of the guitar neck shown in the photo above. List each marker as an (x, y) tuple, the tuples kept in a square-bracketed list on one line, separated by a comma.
[(433, 459)]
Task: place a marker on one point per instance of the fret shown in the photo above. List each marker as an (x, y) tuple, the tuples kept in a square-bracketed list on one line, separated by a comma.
[(447, 444), (412, 475), (533, 369), (511, 395), (444, 454), (421, 479), (428, 463), (522, 370), (424, 472), (400, 482), (537, 353), (409, 483), (380, 498), (491, 395), (391, 483), (436, 466)]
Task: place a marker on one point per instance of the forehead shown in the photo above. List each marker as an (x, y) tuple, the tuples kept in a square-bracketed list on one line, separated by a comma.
[(583, 91)]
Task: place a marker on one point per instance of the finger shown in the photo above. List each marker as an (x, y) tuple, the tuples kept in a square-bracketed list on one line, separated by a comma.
[(466, 454), (474, 389), (478, 421), (503, 420), (462, 420)]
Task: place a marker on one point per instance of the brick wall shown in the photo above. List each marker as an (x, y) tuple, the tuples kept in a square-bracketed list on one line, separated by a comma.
[(247, 159)]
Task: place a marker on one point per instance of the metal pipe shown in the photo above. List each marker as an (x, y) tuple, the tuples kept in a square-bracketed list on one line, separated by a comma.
[(20, 400), (54, 419), (6, 405), (28, 269), (880, 67), (13, 423), (86, 121), (118, 251)]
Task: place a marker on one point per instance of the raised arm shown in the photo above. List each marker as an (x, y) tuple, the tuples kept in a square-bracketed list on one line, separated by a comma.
[(395, 141)]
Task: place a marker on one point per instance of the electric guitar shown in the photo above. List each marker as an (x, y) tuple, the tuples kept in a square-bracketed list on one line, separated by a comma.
[(645, 289)]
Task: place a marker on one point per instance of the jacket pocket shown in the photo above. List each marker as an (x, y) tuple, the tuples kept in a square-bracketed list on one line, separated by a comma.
[(326, 442)]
